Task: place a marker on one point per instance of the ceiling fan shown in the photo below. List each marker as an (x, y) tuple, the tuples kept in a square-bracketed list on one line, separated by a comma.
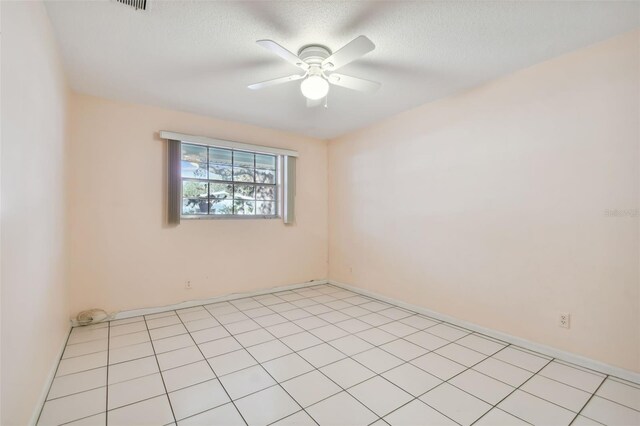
[(319, 64)]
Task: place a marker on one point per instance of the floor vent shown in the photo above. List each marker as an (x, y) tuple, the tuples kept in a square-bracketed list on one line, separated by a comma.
[(136, 4)]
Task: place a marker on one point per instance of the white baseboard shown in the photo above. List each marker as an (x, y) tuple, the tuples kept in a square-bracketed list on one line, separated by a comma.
[(524, 343), (232, 296), (52, 374)]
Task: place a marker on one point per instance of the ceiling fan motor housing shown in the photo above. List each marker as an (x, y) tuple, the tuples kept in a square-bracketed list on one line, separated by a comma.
[(314, 54)]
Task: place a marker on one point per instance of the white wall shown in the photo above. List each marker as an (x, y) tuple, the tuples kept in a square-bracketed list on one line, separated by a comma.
[(490, 206), (123, 253), (34, 297)]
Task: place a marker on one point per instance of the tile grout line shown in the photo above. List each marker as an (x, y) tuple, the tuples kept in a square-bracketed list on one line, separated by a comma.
[(321, 342), (589, 400), (291, 321), (239, 309), (402, 338), (122, 406), (409, 361), (489, 356), (423, 330), (581, 368), (375, 373), (79, 328), (282, 356), (515, 388), (46, 398), (375, 346), (460, 389), (106, 405), (275, 338), (245, 368), (85, 390), (430, 351), (318, 369), (261, 366), (291, 415), (160, 371), (441, 380), (371, 326), (625, 382), (513, 391), (355, 334), (403, 363), (562, 383), (615, 402), (522, 349), (566, 384), (397, 338), (333, 362), (214, 374)]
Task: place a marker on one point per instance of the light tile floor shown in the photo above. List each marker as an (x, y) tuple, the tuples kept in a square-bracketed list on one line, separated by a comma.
[(318, 355)]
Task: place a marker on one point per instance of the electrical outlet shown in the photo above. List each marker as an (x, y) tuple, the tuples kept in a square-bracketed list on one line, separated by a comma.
[(187, 285), (564, 320)]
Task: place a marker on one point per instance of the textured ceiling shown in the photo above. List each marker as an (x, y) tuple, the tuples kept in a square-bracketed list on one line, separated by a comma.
[(199, 56)]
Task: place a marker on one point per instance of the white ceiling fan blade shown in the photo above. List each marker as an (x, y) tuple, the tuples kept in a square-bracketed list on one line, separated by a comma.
[(353, 50), (283, 53), (312, 103), (354, 83), (275, 81)]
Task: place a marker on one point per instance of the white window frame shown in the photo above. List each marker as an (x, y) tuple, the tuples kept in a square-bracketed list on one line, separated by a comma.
[(285, 177), (277, 184)]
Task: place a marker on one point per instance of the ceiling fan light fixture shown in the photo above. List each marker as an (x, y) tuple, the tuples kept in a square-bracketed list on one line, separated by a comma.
[(314, 87), (319, 63)]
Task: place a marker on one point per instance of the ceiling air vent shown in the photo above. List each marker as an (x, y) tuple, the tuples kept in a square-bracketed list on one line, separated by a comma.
[(136, 4)]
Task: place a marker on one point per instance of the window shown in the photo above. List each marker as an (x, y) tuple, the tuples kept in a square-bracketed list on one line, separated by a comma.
[(212, 178), (224, 182)]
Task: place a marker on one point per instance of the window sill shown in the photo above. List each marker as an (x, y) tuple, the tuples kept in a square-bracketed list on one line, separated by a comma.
[(228, 217)]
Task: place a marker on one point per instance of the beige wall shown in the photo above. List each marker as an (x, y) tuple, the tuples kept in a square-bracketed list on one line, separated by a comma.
[(124, 255), (34, 297), (490, 206)]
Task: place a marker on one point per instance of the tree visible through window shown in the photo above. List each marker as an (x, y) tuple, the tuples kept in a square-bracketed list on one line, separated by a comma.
[(227, 182)]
